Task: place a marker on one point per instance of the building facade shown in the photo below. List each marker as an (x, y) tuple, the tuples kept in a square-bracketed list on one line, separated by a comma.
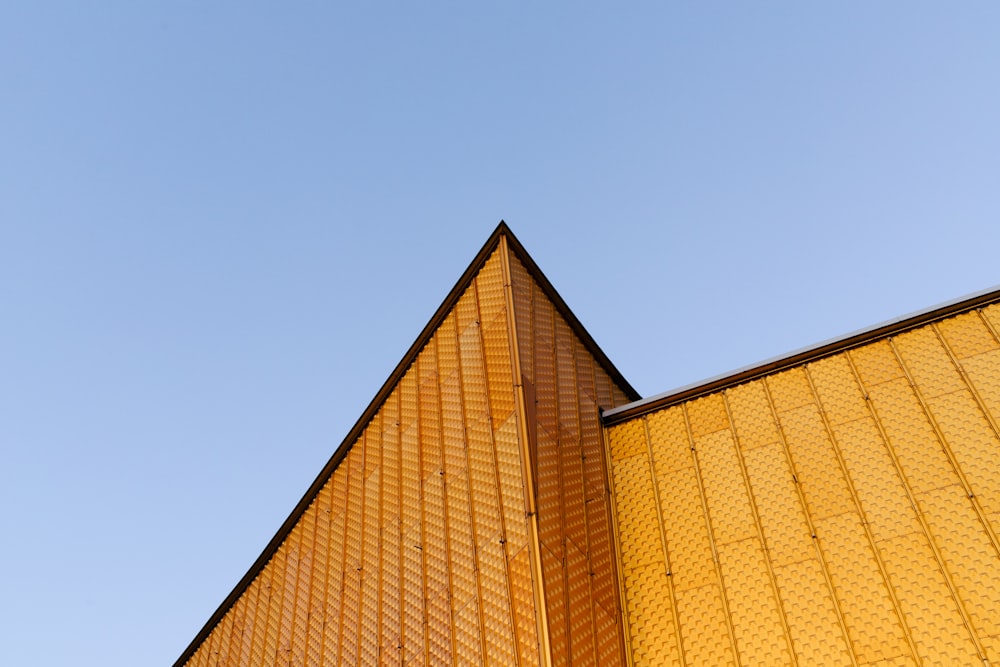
[(509, 499)]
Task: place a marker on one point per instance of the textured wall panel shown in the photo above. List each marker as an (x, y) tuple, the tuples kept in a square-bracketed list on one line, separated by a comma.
[(567, 388), (851, 502)]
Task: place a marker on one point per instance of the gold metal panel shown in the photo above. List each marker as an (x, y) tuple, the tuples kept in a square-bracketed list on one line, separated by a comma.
[(873, 625), (789, 390), (249, 602), (600, 557), (928, 362), (752, 420), (969, 557), (756, 615), (811, 614), (523, 603), (317, 592), (435, 527), (638, 527), (544, 363), (839, 394), (786, 532), (453, 425), (967, 335), (876, 363), (607, 627), (816, 465), (668, 439), (692, 563), (707, 415), (272, 645), (929, 610), (468, 645), (872, 472), (508, 458), (651, 621), (704, 627), (412, 586), (335, 566), (304, 584), (567, 513), (498, 630), (728, 502), (972, 442), (921, 457), (439, 629), (627, 440), (472, 364), (496, 348), (555, 590), (581, 606), (371, 564), (489, 289), (439, 622)]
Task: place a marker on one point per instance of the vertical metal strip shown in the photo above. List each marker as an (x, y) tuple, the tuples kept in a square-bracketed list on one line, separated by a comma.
[(663, 539), (626, 639), (760, 529), (496, 480), (398, 527), (380, 526), (534, 544), (423, 516), (436, 342), (586, 521), (809, 521), (303, 599), (711, 536), (472, 513), (973, 498), (341, 623), (907, 631)]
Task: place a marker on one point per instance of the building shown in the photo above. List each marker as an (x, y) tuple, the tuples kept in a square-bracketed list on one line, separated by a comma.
[(507, 498)]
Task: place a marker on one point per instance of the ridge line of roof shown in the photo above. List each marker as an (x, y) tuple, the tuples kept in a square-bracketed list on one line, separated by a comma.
[(802, 355), (425, 335)]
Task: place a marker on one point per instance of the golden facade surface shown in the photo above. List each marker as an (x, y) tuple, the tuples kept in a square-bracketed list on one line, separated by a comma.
[(837, 507), (428, 543), (840, 512)]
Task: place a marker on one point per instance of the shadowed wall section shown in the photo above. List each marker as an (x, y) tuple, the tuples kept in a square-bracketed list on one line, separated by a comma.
[(842, 512), (565, 389)]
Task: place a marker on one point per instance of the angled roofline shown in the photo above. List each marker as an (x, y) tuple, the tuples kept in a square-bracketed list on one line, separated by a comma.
[(802, 355), (492, 243)]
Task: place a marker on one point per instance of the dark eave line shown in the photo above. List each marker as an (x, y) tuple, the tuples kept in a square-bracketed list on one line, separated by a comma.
[(376, 404), (801, 356)]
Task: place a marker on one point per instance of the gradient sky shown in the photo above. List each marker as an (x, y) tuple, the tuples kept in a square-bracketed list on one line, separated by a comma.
[(222, 224)]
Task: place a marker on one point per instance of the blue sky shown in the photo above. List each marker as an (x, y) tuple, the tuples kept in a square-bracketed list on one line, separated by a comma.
[(222, 225)]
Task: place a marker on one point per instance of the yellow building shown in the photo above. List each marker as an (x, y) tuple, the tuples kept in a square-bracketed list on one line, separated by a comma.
[(507, 498)]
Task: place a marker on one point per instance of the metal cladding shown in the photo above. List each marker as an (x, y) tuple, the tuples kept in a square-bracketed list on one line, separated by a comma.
[(839, 506), (843, 511), (468, 521)]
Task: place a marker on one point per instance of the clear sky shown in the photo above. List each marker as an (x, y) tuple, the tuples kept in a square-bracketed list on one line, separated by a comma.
[(222, 224)]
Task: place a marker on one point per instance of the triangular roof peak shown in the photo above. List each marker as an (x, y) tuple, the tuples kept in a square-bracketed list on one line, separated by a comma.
[(501, 240)]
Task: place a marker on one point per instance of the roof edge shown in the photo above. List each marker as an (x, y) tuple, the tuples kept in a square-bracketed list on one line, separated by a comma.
[(802, 355), (491, 244)]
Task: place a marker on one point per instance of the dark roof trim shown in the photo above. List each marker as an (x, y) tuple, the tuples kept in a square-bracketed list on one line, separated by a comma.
[(802, 356), (411, 354)]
